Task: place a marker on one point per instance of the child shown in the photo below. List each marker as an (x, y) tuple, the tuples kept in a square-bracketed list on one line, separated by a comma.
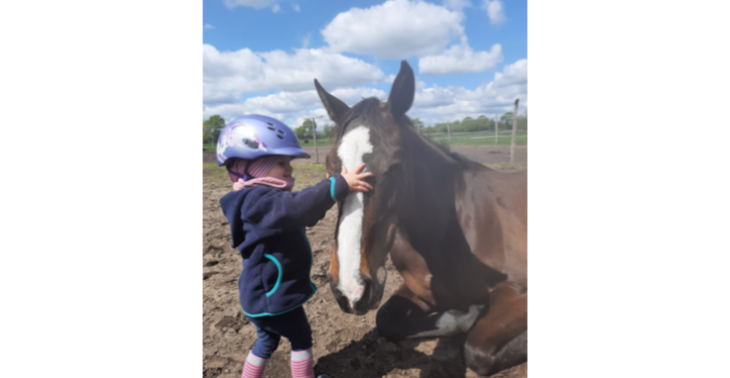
[(267, 225)]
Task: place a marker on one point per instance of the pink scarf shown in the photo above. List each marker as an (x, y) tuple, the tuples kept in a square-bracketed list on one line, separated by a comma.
[(284, 183)]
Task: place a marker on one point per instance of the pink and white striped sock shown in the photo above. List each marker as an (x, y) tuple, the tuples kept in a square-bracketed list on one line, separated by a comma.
[(302, 364), (254, 366)]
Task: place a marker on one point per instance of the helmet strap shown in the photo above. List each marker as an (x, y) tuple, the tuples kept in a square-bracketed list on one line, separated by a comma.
[(246, 176)]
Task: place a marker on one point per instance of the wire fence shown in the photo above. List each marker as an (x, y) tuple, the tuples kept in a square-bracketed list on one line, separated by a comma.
[(479, 138), (475, 138)]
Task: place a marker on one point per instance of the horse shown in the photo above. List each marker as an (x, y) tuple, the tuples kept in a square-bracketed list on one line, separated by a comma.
[(455, 230)]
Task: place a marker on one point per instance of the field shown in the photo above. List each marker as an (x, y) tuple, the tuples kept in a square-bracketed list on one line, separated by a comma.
[(345, 345), (479, 138)]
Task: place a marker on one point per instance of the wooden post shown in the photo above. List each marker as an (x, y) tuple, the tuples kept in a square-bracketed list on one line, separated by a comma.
[(514, 132), (448, 129), (314, 129), (496, 131)]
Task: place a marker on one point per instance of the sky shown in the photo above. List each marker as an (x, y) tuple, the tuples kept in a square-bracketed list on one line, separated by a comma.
[(262, 56)]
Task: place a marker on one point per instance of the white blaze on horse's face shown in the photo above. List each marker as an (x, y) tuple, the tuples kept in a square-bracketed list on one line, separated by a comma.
[(354, 145)]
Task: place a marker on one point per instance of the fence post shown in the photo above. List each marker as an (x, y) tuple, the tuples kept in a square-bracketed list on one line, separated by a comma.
[(448, 129), (514, 133), (314, 132), (496, 131)]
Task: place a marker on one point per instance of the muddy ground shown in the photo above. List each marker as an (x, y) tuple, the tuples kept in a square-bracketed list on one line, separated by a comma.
[(345, 345)]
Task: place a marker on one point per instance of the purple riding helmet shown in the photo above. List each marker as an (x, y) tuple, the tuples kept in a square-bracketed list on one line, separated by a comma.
[(253, 136)]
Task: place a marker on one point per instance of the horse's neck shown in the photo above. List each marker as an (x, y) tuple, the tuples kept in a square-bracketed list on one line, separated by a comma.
[(430, 166), (431, 173)]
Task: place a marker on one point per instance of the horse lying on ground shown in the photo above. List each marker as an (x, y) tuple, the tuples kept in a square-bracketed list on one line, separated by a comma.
[(455, 230)]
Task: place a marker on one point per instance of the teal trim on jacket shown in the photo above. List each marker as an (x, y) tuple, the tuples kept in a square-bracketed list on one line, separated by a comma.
[(278, 279), (267, 226)]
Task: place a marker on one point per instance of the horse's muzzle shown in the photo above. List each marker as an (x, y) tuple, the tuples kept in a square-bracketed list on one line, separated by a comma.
[(358, 306)]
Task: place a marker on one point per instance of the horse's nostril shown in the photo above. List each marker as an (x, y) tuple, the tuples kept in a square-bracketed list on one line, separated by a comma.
[(362, 305), (368, 290)]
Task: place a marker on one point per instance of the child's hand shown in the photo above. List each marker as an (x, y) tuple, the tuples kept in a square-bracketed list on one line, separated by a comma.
[(354, 179)]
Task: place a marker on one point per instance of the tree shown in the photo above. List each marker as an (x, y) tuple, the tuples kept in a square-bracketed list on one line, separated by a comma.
[(304, 132), (469, 124), (212, 128), (505, 122), (418, 124), (484, 123), (327, 131), (522, 122), (440, 127)]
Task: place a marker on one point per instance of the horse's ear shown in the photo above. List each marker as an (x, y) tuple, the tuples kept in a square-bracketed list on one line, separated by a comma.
[(335, 108), (403, 90)]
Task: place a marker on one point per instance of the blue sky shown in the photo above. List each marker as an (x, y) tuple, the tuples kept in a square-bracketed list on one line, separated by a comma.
[(261, 56)]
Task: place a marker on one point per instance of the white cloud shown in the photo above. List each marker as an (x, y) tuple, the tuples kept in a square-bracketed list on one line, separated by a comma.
[(495, 11), (229, 75), (296, 7), (208, 26), (459, 59), (439, 104), (314, 113), (432, 104), (514, 74), (396, 29), (256, 4), (433, 97), (352, 96), (290, 107), (305, 40), (275, 8)]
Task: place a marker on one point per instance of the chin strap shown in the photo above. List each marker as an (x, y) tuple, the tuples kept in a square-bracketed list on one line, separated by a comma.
[(246, 176)]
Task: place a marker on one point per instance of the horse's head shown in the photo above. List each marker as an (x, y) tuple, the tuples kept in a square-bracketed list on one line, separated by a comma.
[(371, 132)]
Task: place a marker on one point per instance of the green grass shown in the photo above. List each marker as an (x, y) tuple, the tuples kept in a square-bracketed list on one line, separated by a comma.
[(480, 138), (211, 171), (320, 143), (306, 174), (507, 167), (315, 168)]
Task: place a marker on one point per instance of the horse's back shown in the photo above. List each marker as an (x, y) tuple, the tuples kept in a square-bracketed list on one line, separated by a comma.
[(492, 210)]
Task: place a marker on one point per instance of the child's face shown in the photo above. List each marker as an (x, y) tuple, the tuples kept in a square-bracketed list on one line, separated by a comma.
[(282, 168)]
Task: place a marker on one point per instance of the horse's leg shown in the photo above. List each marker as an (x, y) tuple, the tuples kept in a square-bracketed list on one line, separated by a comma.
[(405, 315), (410, 310), (498, 339)]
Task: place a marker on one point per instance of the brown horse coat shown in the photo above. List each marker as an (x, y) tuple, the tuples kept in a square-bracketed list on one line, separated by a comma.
[(455, 230)]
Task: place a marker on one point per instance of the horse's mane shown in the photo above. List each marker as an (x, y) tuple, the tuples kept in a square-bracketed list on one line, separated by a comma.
[(369, 110), (440, 149)]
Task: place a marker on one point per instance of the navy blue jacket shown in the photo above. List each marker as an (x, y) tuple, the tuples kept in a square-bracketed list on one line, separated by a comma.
[(267, 226)]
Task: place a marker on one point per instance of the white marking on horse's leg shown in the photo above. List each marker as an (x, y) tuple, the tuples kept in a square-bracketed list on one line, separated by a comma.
[(382, 275), (354, 145), (452, 322)]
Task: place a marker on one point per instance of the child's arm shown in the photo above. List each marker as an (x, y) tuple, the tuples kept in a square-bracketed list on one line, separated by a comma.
[(286, 211)]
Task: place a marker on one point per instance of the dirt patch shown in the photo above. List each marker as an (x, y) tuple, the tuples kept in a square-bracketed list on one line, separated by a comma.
[(345, 345)]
